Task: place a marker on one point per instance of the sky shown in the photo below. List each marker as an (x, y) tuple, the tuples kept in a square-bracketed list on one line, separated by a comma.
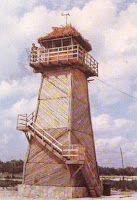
[(111, 28)]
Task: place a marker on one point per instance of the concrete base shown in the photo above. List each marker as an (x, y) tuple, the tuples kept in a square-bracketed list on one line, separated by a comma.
[(52, 191)]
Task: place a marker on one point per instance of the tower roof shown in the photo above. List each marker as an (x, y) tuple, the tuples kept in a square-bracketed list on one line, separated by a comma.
[(66, 31)]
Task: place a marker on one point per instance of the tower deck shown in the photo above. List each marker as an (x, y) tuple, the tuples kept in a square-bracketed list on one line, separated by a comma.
[(61, 56)]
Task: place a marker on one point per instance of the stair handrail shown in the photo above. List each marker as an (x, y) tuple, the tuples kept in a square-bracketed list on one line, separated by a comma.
[(49, 135), (28, 121), (44, 137), (31, 117)]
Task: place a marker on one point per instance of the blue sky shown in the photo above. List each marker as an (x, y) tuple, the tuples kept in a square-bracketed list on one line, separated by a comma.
[(111, 27)]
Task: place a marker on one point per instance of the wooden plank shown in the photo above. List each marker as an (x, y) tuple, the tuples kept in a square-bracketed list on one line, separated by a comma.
[(52, 174), (22, 128), (27, 136), (48, 146), (74, 162), (80, 167), (53, 113), (38, 153), (79, 87)]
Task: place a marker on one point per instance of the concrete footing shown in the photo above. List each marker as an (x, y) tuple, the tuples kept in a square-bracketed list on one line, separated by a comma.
[(52, 191)]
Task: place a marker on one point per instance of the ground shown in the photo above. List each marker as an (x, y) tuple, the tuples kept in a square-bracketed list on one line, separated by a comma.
[(12, 195)]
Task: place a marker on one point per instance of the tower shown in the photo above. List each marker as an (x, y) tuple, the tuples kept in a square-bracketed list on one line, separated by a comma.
[(61, 159)]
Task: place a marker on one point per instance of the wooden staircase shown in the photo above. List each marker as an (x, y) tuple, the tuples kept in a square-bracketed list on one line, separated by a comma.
[(72, 154)]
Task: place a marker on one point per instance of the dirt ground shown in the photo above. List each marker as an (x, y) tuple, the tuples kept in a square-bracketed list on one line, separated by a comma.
[(6, 194)]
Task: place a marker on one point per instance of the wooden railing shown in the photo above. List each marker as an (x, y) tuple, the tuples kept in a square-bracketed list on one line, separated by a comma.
[(66, 53), (49, 137), (24, 120), (73, 152), (46, 138)]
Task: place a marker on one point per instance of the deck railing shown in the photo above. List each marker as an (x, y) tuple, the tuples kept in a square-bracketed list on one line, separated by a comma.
[(43, 55)]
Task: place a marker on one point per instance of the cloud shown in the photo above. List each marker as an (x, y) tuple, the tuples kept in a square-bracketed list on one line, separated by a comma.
[(27, 86), (102, 122), (107, 126), (110, 144), (124, 124), (132, 110), (111, 134), (4, 139), (15, 7), (108, 151), (23, 106)]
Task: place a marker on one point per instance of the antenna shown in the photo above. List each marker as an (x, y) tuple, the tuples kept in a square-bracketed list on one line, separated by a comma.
[(65, 14)]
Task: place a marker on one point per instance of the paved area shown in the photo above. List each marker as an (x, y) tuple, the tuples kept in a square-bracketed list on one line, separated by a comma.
[(12, 195)]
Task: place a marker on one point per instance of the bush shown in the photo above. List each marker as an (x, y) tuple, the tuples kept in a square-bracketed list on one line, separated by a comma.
[(9, 183), (129, 185)]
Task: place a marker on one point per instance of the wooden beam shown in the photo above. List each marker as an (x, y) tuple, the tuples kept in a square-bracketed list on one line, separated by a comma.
[(67, 166), (77, 171), (74, 162), (27, 136)]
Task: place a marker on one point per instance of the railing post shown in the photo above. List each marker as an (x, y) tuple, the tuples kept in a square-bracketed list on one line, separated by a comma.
[(97, 69), (83, 56), (58, 55), (77, 52), (48, 57), (67, 54), (26, 121), (38, 54), (33, 117), (37, 59), (30, 57), (17, 121), (44, 53)]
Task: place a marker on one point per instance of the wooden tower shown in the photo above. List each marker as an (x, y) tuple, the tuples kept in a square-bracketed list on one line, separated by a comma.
[(61, 155)]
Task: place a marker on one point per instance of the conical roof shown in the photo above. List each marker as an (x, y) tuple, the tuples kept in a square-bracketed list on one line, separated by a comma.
[(66, 31)]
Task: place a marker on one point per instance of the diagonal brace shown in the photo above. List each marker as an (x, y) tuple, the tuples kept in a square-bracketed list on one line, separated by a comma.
[(27, 136), (77, 171)]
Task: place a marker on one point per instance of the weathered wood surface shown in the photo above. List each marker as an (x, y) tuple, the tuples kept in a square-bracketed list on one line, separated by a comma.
[(63, 111)]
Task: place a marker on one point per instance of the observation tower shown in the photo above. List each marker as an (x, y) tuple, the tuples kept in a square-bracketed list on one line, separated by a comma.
[(61, 160)]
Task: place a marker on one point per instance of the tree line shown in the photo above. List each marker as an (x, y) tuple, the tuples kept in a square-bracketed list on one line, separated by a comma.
[(127, 171), (13, 166), (16, 166)]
